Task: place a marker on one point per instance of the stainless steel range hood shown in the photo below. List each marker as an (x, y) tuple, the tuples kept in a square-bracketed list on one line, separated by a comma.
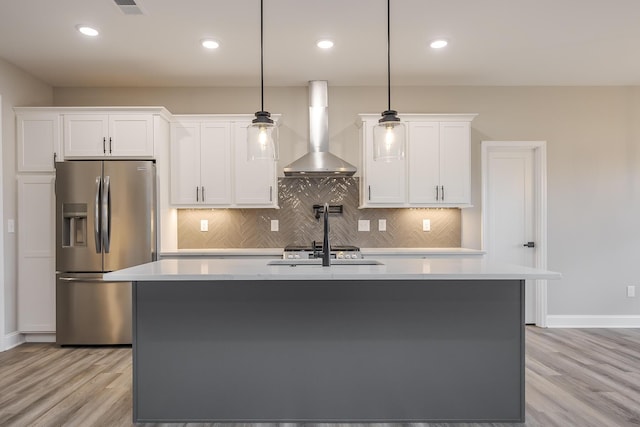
[(319, 162)]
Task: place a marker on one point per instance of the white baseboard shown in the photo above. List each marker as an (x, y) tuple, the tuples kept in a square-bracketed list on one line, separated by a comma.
[(590, 321), (40, 337), (11, 340)]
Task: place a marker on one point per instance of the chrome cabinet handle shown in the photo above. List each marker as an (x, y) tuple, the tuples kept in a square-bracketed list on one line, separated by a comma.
[(271, 193), (104, 145), (369, 192), (437, 193), (203, 198), (106, 214), (197, 194), (96, 218), (110, 145), (442, 186)]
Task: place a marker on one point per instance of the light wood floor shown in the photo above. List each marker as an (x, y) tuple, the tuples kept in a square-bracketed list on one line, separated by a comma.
[(574, 377)]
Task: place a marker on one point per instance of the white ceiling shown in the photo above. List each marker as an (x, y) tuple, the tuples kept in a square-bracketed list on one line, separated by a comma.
[(492, 42)]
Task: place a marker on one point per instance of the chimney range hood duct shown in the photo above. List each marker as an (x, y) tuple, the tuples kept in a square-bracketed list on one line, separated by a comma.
[(319, 162)]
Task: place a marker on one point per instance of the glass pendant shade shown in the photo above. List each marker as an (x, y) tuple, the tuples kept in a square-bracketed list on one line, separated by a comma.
[(262, 138), (389, 137)]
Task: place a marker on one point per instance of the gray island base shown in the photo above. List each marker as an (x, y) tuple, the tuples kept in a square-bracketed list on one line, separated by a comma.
[(328, 350)]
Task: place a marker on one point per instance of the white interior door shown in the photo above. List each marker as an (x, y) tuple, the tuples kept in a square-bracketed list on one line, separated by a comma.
[(509, 205)]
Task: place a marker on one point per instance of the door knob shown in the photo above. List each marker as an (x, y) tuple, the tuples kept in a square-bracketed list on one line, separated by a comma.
[(529, 245)]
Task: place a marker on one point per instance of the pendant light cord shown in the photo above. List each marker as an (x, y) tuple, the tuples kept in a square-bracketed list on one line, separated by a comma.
[(388, 54), (261, 58)]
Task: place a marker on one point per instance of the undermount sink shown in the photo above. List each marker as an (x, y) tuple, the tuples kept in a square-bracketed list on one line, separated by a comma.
[(296, 262)]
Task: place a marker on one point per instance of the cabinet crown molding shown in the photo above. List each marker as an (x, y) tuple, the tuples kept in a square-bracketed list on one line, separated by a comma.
[(161, 111)]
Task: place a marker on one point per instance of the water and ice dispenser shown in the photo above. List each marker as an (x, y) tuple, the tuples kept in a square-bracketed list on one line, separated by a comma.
[(74, 224)]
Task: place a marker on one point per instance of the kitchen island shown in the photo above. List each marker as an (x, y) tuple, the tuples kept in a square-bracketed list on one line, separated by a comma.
[(410, 340)]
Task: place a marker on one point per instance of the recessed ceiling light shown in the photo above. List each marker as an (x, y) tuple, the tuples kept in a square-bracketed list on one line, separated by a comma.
[(87, 31), (210, 44), (325, 44), (438, 44)]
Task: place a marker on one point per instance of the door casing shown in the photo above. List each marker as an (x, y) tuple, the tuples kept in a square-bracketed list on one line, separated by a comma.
[(539, 149)]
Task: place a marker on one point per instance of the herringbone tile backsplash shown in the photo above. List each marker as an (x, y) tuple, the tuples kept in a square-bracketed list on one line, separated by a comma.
[(250, 228)]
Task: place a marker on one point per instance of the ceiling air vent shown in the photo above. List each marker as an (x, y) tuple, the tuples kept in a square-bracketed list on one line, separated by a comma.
[(128, 7)]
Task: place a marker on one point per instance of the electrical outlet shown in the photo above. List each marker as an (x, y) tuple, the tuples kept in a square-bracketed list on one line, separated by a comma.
[(382, 225), (363, 225), (631, 291), (275, 225), (11, 226), (426, 225), (204, 225)]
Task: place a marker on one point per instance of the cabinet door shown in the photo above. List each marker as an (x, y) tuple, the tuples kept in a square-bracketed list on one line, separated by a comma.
[(85, 135), (255, 180), (385, 182), (130, 135), (36, 254), (455, 162), (185, 163), (215, 163), (424, 162), (38, 142)]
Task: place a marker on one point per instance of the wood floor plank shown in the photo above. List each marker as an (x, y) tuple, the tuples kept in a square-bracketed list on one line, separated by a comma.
[(574, 377)]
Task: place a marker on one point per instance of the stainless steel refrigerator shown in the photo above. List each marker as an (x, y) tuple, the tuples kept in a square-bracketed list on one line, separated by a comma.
[(105, 221)]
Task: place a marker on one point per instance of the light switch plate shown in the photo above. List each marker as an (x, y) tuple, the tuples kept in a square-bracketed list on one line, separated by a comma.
[(204, 225), (631, 291), (275, 225), (426, 225), (382, 225), (11, 226), (363, 225)]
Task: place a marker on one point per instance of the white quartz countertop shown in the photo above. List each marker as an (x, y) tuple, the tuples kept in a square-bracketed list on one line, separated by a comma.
[(453, 268), (277, 252)]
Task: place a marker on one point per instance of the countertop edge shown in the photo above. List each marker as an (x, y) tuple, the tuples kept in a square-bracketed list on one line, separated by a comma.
[(278, 252)]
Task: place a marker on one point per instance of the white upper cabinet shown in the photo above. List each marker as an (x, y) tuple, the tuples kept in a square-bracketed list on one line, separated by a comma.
[(210, 168), (38, 137), (439, 163), (215, 164), (104, 135), (436, 171), (382, 183), (200, 164), (255, 181), (455, 163)]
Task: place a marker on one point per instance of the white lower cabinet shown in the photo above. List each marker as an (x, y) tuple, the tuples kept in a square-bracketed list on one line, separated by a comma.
[(210, 166), (436, 171), (36, 254)]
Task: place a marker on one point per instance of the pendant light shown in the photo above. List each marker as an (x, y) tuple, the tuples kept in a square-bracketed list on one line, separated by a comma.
[(389, 134), (262, 133)]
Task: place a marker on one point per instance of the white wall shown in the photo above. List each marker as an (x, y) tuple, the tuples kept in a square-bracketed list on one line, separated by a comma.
[(593, 162), (17, 89)]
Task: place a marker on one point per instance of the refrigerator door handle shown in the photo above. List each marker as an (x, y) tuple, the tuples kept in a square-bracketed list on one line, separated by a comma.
[(106, 214), (96, 219), (81, 279)]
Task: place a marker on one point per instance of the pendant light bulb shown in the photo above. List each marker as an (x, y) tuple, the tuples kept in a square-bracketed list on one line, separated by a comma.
[(262, 133), (389, 138), (389, 134), (262, 137)]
